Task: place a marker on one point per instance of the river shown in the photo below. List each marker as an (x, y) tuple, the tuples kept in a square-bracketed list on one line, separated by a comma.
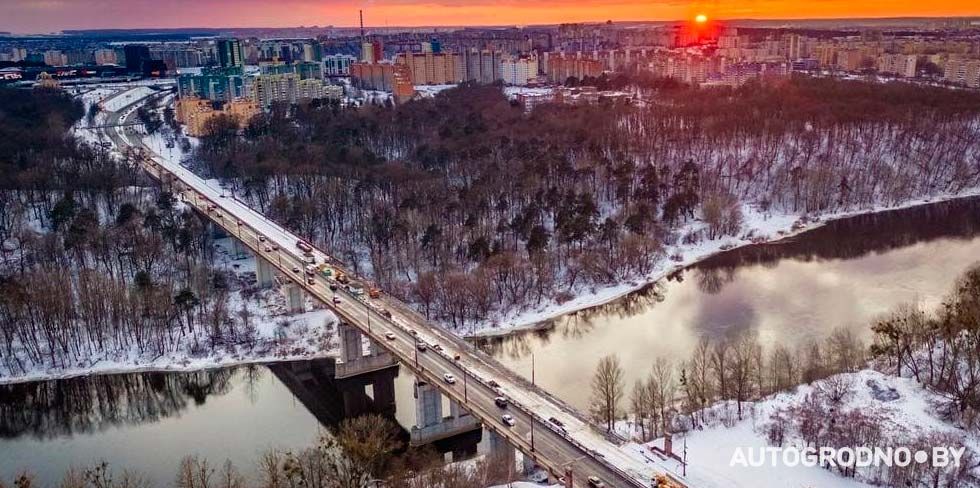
[(842, 274)]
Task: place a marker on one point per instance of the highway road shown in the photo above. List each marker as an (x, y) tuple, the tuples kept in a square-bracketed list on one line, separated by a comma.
[(576, 451)]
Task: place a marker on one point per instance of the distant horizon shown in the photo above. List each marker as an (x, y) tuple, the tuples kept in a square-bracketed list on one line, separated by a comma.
[(46, 17)]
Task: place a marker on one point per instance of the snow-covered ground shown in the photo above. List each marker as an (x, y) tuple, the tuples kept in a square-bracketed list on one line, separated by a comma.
[(429, 91), (902, 409), (280, 336), (512, 91)]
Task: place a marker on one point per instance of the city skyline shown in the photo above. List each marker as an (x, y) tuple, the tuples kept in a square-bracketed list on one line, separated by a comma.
[(46, 16)]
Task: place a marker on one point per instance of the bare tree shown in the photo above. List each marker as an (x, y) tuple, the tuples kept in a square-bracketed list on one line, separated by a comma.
[(607, 391)]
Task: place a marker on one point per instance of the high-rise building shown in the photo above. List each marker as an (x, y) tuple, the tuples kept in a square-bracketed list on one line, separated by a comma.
[(136, 55), (105, 56), (561, 68), (18, 54), (305, 70), (963, 71), (482, 66), (519, 70), (898, 64), (371, 51), (215, 84), (55, 58), (290, 88), (394, 78), (229, 52), (429, 68), (338, 64)]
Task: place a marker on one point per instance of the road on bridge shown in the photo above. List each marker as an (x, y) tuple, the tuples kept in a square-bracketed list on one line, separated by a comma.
[(576, 448)]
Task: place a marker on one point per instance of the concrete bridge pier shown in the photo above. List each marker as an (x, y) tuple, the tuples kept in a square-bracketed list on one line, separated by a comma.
[(238, 250), (430, 424), (216, 231), (265, 273), (295, 297), (353, 359), (496, 447)]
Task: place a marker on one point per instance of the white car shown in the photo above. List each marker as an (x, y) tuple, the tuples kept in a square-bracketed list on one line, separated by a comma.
[(508, 419), (390, 336), (449, 378)]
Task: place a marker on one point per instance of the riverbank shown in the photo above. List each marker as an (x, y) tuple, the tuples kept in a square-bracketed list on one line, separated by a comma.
[(726, 450), (758, 228)]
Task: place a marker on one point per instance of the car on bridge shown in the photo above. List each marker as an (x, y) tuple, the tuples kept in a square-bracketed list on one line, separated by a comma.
[(449, 378), (595, 482), (389, 336), (508, 419), (558, 423), (500, 401), (421, 346), (355, 289)]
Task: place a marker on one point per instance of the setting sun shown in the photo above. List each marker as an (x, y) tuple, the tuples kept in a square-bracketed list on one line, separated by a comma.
[(701, 18)]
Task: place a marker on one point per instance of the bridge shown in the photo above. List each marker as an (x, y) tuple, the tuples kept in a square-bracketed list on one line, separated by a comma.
[(545, 429)]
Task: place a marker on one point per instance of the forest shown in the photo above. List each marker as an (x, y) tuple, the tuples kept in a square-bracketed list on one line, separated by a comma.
[(97, 262), (473, 209)]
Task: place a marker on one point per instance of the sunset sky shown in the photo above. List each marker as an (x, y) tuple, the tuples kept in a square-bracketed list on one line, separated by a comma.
[(34, 16)]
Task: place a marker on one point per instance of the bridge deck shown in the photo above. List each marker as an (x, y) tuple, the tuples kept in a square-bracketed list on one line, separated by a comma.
[(577, 448)]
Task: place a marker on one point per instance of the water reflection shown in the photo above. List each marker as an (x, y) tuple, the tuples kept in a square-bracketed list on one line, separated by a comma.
[(149, 421), (841, 274), (93, 403)]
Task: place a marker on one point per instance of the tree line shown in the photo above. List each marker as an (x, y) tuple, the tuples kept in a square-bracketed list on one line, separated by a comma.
[(471, 208), (96, 261)]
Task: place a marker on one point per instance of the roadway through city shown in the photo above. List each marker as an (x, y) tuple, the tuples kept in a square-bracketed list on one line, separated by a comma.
[(575, 451)]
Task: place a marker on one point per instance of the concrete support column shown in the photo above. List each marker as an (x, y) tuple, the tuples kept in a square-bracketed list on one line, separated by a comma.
[(295, 299), (238, 250), (384, 391), (456, 411), (350, 343), (264, 273), (217, 232), (428, 405), (497, 448)]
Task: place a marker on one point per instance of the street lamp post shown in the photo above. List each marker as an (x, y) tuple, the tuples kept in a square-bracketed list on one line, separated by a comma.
[(532, 432), (532, 368), (416, 351)]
